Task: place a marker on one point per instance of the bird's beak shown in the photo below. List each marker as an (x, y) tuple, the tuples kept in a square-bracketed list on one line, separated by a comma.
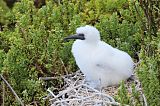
[(75, 36)]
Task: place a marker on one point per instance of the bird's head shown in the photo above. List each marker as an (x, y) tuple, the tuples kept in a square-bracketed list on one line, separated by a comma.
[(86, 33)]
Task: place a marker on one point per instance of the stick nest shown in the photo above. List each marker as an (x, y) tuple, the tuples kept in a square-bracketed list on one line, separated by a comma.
[(77, 93)]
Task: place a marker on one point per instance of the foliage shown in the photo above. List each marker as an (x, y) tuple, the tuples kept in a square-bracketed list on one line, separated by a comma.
[(2, 56), (149, 69), (123, 96), (31, 43), (3, 10), (135, 97)]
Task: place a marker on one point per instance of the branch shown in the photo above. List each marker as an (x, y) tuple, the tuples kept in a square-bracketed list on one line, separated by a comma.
[(145, 101), (47, 78), (3, 94), (12, 90)]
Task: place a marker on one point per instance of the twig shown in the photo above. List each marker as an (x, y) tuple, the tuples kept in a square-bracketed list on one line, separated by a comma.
[(138, 88), (47, 78), (97, 101), (12, 90), (64, 66), (64, 92), (66, 100), (145, 101), (3, 88), (106, 102), (51, 92)]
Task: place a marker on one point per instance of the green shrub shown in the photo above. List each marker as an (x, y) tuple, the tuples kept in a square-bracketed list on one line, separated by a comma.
[(123, 96), (3, 10), (148, 71)]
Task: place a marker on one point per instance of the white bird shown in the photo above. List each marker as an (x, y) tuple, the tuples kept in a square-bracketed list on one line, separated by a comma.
[(102, 64)]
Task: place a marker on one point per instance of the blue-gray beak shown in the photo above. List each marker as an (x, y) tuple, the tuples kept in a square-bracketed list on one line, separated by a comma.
[(75, 36)]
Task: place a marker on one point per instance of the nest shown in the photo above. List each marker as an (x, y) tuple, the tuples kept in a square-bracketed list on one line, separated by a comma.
[(77, 93)]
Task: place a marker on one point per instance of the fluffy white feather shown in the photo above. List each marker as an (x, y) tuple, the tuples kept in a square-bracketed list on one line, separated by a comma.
[(102, 64)]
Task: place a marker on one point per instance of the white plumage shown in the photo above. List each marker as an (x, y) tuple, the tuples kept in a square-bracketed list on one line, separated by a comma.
[(102, 64)]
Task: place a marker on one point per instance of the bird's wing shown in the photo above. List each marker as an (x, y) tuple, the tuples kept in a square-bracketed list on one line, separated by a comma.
[(111, 59), (103, 57)]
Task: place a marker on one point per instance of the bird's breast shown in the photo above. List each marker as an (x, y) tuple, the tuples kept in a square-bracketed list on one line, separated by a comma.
[(83, 55)]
